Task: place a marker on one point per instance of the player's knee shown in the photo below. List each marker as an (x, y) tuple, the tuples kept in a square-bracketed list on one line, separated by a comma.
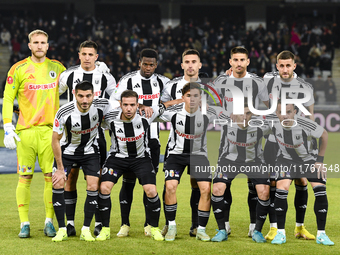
[(219, 188), (263, 193), (171, 187), (105, 188), (205, 191), (150, 190), (27, 176)]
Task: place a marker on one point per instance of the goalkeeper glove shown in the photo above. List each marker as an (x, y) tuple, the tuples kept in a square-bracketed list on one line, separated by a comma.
[(10, 136)]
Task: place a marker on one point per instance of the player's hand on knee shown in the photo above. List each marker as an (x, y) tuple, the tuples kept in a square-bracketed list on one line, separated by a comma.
[(58, 175), (10, 136)]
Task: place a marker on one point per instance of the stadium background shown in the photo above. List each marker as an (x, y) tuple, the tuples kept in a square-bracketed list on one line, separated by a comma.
[(241, 22)]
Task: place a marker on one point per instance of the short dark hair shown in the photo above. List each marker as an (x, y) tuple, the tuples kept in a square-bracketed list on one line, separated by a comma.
[(191, 52), (88, 44), (148, 53), (239, 49), (280, 102), (129, 93), (84, 85), (286, 54), (191, 85)]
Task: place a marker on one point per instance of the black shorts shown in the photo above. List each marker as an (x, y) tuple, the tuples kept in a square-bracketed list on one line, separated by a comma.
[(142, 167), (89, 163), (227, 171), (288, 169), (198, 167)]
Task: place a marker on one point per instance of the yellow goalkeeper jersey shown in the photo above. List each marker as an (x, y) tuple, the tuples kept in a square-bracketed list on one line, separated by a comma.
[(35, 85)]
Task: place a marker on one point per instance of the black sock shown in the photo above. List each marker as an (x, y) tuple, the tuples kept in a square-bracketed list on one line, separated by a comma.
[(90, 206), (170, 211), (281, 207), (218, 206), (320, 206), (163, 197), (252, 202), (59, 206), (272, 214), (125, 199), (262, 209), (154, 207), (194, 200), (228, 199), (104, 206), (97, 215), (203, 217), (300, 202), (70, 202)]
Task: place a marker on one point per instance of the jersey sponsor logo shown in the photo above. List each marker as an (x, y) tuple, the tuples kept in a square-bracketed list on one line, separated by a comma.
[(186, 136), (9, 79), (56, 123), (53, 75), (228, 99), (42, 86), (31, 77), (289, 145), (120, 131), (180, 123), (241, 144), (136, 86), (149, 97), (131, 139), (86, 131)]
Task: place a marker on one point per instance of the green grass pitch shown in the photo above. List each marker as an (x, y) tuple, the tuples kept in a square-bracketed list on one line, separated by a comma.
[(137, 243)]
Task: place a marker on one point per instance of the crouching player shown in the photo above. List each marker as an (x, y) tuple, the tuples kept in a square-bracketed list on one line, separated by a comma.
[(129, 153), (241, 153), (80, 120), (294, 135)]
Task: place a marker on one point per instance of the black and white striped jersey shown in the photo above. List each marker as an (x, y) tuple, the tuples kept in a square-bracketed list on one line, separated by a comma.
[(188, 130), (129, 137), (274, 82), (80, 128), (250, 80), (243, 145), (296, 142), (148, 90), (104, 84)]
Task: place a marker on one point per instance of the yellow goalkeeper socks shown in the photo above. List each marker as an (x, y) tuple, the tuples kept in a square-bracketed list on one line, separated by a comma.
[(48, 197), (23, 194)]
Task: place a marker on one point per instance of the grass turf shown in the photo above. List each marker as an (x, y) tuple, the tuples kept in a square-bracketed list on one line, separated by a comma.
[(137, 243)]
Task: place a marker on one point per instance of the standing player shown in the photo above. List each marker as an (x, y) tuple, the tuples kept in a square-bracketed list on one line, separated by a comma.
[(287, 78), (243, 80), (191, 64), (104, 84), (80, 120), (242, 153), (129, 153), (34, 82), (293, 134), (187, 147), (148, 85)]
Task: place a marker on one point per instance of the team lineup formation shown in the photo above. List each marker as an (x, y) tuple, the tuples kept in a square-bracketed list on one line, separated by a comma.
[(275, 148)]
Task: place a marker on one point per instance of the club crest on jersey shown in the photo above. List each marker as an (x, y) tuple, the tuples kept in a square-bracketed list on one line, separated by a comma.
[(252, 135), (53, 75), (155, 84), (138, 126), (94, 118), (96, 81), (297, 137), (199, 124)]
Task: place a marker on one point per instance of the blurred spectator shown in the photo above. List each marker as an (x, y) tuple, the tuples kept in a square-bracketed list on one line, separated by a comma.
[(5, 36), (330, 90)]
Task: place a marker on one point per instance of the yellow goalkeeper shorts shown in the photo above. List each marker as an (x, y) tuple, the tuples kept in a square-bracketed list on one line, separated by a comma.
[(35, 141)]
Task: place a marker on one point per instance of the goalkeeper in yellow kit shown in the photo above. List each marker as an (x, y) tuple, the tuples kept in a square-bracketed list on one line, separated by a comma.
[(34, 82)]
